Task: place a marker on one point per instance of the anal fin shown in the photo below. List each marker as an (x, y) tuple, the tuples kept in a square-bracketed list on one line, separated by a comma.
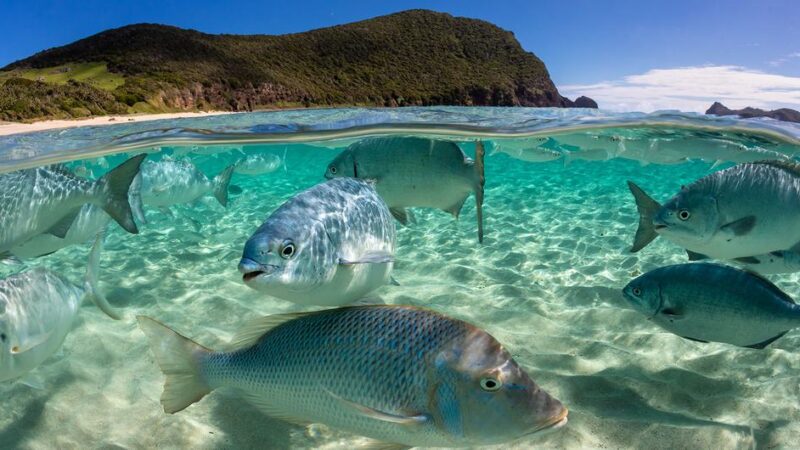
[(762, 345), (60, 228), (693, 256)]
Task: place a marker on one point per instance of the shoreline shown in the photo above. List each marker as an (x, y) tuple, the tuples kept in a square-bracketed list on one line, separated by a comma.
[(11, 128)]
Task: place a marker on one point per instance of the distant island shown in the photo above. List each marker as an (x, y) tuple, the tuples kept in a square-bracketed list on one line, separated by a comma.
[(784, 114), (415, 57)]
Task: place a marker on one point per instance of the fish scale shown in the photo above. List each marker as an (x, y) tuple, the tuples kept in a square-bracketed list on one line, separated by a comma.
[(399, 374)]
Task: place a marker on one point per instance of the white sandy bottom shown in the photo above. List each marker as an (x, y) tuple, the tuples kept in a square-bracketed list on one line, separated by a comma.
[(545, 283)]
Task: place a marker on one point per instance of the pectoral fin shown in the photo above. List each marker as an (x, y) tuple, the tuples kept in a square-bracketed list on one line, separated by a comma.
[(29, 343), (376, 257), (695, 256), (672, 313), (373, 413), (761, 345), (61, 227), (693, 339), (455, 208), (740, 227)]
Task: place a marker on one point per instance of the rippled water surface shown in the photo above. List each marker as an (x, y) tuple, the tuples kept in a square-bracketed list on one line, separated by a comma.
[(546, 282)]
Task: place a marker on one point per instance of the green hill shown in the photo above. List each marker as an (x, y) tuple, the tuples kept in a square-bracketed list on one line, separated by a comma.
[(410, 58)]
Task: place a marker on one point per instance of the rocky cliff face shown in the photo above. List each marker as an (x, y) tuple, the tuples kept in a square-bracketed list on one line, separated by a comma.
[(784, 114)]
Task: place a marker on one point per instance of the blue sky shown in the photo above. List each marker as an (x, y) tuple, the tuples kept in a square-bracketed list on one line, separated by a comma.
[(590, 45)]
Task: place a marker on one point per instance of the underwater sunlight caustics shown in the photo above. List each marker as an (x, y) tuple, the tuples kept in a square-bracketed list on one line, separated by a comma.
[(334, 287)]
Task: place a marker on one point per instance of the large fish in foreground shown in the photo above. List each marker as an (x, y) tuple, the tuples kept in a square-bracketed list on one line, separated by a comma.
[(37, 311), (329, 245), (48, 199), (714, 303), (398, 374), (169, 182), (415, 172), (747, 210)]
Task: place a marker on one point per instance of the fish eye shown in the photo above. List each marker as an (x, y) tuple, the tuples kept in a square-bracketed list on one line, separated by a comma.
[(490, 384), (684, 214), (287, 251), (636, 291), (332, 169)]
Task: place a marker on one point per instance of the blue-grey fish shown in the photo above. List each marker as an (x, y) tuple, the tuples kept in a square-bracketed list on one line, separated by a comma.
[(170, 182), (329, 245), (48, 199), (415, 172), (37, 311), (746, 210), (258, 164), (398, 374), (714, 303)]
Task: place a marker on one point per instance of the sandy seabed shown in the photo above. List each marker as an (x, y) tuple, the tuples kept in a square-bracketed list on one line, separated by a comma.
[(546, 283)]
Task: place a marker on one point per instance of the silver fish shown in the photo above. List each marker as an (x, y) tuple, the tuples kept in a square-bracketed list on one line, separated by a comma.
[(714, 303), (529, 154), (48, 199), (398, 374), (168, 182), (37, 311), (258, 164), (329, 245), (749, 209), (90, 221), (415, 172)]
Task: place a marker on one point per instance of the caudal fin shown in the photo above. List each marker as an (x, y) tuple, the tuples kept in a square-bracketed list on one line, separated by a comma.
[(647, 210), (179, 359), (115, 185), (92, 285), (481, 181), (135, 200), (221, 183)]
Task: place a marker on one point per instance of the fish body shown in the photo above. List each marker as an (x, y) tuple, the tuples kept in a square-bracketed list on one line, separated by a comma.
[(48, 199), (714, 303), (258, 164), (415, 172), (592, 154), (37, 310), (329, 245), (585, 142), (171, 182), (651, 151), (749, 209), (782, 261), (398, 374)]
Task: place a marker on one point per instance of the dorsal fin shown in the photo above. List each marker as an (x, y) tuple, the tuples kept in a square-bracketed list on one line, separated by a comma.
[(788, 166), (775, 289), (254, 329)]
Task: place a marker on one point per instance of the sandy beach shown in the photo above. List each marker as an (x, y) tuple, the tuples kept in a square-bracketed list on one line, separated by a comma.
[(8, 128)]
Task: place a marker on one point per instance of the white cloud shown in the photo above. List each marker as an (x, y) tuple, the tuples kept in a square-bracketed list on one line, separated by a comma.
[(784, 59), (692, 89)]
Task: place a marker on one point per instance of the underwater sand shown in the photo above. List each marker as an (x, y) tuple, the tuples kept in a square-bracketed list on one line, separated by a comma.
[(546, 283)]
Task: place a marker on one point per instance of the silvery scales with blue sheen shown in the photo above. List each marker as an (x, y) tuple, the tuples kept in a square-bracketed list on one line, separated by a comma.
[(407, 375)]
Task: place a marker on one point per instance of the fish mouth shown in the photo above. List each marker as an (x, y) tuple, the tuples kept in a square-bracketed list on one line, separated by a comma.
[(554, 422), (251, 270), (659, 226)]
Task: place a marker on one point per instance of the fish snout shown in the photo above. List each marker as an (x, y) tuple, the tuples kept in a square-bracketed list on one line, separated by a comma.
[(661, 221), (554, 414), (251, 269)]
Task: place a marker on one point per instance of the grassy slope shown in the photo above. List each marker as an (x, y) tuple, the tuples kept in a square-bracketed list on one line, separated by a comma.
[(414, 57)]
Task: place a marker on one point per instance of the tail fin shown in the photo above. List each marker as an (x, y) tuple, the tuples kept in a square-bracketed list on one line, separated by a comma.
[(479, 171), (91, 284), (135, 200), (115, 186), (221, 182), (179, 359), (647, 210)]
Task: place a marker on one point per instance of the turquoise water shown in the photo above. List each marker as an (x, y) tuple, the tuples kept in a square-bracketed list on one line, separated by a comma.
[(546, 283)]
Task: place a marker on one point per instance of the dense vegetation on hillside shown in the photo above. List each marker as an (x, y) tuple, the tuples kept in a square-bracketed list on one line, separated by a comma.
[(410, 58)]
